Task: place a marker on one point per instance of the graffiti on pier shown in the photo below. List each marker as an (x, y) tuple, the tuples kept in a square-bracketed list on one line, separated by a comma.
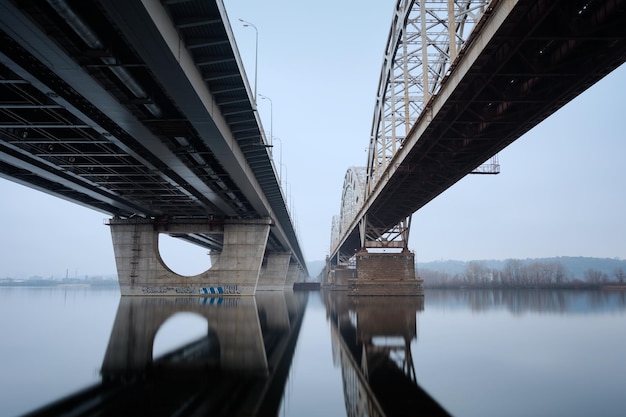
[(218, 290)]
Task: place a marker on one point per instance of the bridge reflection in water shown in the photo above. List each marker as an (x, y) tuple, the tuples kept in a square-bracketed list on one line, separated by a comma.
[(371, 339), (241, 365), (239, 368)]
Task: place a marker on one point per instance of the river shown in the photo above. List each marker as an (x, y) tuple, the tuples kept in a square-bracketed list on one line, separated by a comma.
[(452, 352)]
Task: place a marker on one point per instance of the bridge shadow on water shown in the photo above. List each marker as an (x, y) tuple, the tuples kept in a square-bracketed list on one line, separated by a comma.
[(241, 365)]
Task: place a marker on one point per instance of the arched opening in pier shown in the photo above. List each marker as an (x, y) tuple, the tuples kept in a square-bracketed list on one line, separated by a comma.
[(182, 257), (183, 330)]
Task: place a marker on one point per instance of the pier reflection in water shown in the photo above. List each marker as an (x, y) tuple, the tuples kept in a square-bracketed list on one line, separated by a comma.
[(238, 368), (371, 339), (241, 363)]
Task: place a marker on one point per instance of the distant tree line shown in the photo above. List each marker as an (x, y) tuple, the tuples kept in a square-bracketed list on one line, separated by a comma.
[(36, 281), (519, 274)]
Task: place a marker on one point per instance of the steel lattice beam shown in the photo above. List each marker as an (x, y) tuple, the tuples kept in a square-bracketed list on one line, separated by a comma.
[(424, 41), (423, 44)]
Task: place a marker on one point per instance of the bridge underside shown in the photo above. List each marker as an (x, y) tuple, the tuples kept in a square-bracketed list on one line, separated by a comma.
[(96, 108), (544, 54)]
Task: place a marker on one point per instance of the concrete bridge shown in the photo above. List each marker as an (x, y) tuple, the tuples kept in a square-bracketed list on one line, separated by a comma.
[(142, 110), (460, 81), (239, 368)]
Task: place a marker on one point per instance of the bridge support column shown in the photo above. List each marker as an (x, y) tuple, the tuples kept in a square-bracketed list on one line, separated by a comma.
[(385, 274), (274, 272), (292, 276), (340, 276), (141, 270), (214, 255)]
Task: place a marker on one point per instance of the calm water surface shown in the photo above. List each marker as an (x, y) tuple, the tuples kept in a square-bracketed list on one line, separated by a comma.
[(459, 353)]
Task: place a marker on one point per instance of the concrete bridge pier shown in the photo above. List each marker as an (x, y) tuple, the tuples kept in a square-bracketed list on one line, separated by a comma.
[(293, 276), (235, 271), (385, 274), (274, 272), (375, 273)]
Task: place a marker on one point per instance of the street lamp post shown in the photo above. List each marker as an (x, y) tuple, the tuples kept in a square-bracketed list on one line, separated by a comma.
[(286, 178), (271, 115), (290, 198), (256, 53)]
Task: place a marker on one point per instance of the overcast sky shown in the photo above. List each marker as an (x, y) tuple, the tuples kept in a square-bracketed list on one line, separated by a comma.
[(561, 190)]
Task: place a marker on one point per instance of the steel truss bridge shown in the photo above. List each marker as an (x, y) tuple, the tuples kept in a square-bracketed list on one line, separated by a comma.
[(460, 81), (137, 109)]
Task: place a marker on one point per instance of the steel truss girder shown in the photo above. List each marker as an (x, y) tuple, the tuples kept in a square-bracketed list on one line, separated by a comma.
[(394, 236), (425, 39), (352, 198), (345, 259)]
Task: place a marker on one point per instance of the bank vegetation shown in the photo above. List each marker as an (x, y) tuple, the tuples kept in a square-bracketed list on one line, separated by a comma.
[(517, 273)]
